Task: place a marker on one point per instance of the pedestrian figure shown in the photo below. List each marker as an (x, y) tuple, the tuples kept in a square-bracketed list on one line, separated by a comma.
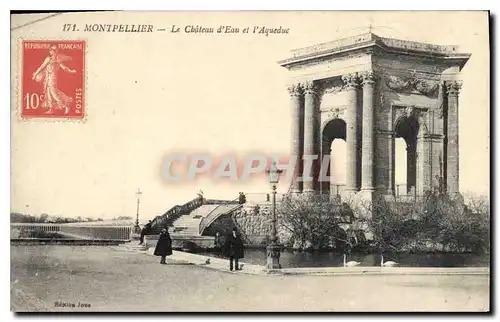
[(217, 241), (242, 198), (164, 246), (234, 249), (146, 229)]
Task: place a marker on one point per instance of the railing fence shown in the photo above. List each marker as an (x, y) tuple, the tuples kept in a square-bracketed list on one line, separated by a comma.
[(74, 230)]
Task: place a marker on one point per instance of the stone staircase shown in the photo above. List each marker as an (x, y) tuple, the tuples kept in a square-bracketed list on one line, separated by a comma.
[(167, 219), (189, 224)]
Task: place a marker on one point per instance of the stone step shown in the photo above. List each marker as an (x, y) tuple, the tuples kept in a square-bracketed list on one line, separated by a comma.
[(186, 233), (186, 224), (185, 227), (187, 220), (190, 218), (133, 247)]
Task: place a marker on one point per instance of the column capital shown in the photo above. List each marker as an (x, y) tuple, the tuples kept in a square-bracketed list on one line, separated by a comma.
[(351, 81), (453, 87), (294, 90), (309, 87), (368, 77)]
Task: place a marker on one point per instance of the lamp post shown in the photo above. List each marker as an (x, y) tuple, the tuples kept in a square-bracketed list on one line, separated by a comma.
[(273, 249), (138, 194)]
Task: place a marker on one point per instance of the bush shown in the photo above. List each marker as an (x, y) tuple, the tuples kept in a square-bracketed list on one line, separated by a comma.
[(435, 222)]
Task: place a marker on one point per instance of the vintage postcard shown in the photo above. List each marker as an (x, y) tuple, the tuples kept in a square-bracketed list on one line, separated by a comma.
[(272, 161)]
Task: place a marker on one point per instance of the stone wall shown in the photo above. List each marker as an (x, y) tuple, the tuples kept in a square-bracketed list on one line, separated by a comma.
[(253, 221), (183, 242)]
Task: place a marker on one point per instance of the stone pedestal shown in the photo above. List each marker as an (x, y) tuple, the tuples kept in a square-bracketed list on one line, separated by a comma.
[(367, 195), (273, 256)]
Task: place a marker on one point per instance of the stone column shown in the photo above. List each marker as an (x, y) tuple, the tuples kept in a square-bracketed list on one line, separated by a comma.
[(351, 86), (368, 146), (424, 165), (295, 104), (452, 158), (310, 118)]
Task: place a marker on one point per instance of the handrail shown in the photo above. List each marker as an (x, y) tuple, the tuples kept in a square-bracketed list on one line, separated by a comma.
[(207, 220)]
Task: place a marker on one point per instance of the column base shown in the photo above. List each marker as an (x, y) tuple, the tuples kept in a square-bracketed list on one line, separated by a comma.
[(367, 193), (349, 193), (273, 257), (337, 198)]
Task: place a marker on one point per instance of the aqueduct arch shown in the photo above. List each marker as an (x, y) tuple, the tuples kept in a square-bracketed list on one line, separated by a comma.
[(382, 89)]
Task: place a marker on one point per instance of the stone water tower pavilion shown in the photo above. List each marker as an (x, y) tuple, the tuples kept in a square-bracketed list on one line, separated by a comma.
[(369, 90)]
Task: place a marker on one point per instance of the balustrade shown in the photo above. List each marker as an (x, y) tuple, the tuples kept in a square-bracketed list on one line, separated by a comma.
[(79, 230)]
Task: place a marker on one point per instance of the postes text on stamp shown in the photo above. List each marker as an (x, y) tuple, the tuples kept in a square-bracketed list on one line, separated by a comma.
[(53, 79)]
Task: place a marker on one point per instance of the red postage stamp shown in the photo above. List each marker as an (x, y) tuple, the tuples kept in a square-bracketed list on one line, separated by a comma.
[(53, 79)]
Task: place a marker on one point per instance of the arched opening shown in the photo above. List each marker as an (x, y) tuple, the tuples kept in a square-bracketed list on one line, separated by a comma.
[(401, 166), (334, 145), (405, 135)]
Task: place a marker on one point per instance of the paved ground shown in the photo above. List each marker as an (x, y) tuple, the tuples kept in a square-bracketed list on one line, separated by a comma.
[(113, 280)]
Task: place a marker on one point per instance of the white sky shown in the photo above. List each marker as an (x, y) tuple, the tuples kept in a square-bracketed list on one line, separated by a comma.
[(150, 94)]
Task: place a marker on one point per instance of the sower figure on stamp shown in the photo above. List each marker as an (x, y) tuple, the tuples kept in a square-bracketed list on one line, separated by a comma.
[(53, 97), (164, 246), (234, 249), (146, 229)]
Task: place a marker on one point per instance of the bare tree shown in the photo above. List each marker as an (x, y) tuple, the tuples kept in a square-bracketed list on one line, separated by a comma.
[(313, 220)]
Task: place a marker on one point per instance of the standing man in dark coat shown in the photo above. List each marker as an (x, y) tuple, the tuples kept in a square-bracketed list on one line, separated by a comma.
[(146, 229), (234, 249), (164, 246)]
